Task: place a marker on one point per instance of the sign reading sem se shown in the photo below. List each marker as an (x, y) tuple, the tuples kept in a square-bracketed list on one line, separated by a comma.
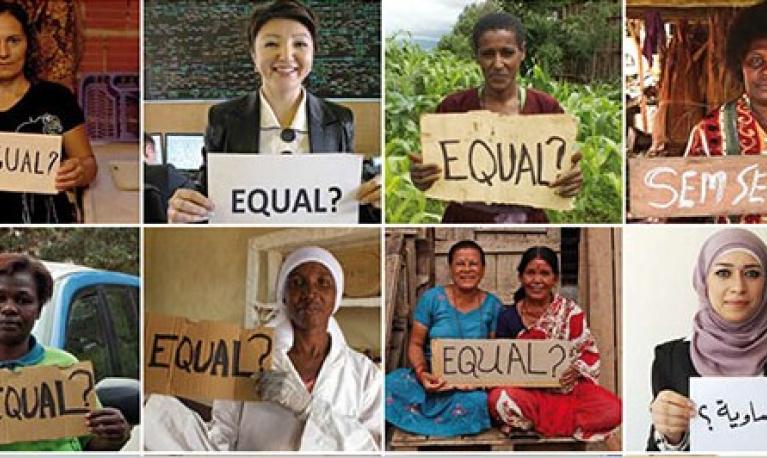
[(698, 186), (269, 188), (501, 362), (206, 359), (29, 162), (492, 158)]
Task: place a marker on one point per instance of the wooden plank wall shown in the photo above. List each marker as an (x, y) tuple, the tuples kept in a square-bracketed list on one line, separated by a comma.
[(599, 294), (503, 250), (416, 259)]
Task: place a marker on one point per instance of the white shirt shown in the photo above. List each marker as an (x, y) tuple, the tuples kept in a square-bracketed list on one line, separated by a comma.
[(270, 141), (345, 414)]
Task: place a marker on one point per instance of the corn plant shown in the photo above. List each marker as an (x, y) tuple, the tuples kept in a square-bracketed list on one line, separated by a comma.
[(417, 80)]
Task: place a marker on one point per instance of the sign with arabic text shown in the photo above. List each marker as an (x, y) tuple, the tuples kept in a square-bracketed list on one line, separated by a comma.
[(731, 414)]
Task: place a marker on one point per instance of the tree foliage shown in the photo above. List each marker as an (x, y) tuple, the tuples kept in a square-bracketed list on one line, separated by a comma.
[(560, 42), (103, 248)]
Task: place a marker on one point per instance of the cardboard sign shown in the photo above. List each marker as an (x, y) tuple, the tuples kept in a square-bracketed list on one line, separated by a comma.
[(732, 414), (492, 158), (29, 162), (698, 186), (501, 362), (46, 402), (205, 359), (298, 189)]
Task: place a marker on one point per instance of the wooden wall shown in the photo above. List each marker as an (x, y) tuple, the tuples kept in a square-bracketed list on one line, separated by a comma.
[(416, 259), (503, 249)]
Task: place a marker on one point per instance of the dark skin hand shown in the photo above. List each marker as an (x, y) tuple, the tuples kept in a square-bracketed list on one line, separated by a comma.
[(569, 183), (423, 175), (109, 428), (569, 377)]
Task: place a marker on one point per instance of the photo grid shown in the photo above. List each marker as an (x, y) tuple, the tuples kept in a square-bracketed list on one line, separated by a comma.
[(383, 228)]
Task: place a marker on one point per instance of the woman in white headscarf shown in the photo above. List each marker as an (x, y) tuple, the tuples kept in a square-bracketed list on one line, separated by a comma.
[(320, 395)]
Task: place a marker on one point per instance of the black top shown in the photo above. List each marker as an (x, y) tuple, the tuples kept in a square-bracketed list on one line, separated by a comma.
[(46, 108), (671, 370), (509, 323)]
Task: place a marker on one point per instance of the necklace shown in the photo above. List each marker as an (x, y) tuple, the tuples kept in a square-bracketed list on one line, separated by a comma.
[(529, 318)]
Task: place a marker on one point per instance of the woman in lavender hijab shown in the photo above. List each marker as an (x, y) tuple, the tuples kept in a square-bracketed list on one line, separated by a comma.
[(729, 335)]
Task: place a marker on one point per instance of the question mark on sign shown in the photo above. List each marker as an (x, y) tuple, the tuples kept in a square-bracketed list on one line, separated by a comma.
[(89, 376), (708, 420), (560, 151), (336, 196), (54, 156), (555, 366), (268, 350)]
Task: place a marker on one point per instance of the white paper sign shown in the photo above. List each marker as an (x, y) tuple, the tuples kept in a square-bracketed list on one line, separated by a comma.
[(29, 162), (297, 189), (732, 414)]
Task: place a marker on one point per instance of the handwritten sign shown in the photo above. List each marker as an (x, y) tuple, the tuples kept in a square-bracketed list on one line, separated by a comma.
[(732, 414), (205, 359), (698, 186), (501, 362), (46, 402), (29, 162), (299, 189), (487, 157)]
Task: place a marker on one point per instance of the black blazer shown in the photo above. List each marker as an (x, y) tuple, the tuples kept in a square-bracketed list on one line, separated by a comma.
[(671, 370), (233, 127)]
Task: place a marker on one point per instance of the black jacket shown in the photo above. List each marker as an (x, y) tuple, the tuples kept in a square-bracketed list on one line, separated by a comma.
[(671, 370), (233, 127)]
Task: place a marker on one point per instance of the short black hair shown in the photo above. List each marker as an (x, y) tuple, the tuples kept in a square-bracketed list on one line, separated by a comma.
[(499, 21), (32, 56), (749, 25), (12, 263), (471, 244), (536, 252), (282, 9)]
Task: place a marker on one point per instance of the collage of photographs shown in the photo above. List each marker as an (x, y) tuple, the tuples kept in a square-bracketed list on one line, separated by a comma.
[(383, 227)]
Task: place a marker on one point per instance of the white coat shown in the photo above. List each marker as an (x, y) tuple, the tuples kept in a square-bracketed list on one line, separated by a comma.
[(344, 415)]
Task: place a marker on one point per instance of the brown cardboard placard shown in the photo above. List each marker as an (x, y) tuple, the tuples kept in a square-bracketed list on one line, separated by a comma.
[(46, 402), (29, 162), (698, 186), (204, 359), (493, 158), (501, 362)]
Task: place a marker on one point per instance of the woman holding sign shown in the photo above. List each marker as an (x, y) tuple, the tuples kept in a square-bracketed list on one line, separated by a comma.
[(320, 394), (419, 401), (25, 285), (729, 334), (30, 105), (499, 44), (580, 408), (282, 117), (740, 126)]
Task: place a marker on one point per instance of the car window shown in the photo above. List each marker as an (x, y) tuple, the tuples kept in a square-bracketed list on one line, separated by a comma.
[(86, 332), (121, 302)]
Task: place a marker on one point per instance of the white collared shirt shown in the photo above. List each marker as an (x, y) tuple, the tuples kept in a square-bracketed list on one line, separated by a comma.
[(270, 141)]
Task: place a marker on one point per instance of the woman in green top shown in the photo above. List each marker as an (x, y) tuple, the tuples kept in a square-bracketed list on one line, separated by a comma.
[(25, 285)]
